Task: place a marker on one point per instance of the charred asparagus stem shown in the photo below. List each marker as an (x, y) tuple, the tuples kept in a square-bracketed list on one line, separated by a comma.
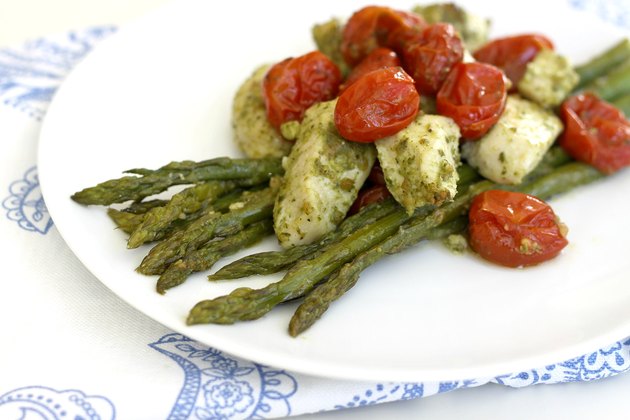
[(255, 207), (319, 300), (246, 172), (206, 256)]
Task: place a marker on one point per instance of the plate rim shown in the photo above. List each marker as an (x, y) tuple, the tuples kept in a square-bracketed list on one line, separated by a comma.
[(317, 369)]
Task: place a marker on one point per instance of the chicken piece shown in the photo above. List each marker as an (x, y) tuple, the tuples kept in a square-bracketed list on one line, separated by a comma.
[(323, 175), (548, 79), (420, 162), (253, 133), (516, 143)]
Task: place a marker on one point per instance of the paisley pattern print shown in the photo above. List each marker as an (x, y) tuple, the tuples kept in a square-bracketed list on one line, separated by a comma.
[(40, 402), (25, 204), (217, 386)]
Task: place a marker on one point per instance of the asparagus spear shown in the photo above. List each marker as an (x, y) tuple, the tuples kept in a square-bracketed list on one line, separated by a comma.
[(274, 261), (319, 299), (255, 207), (246, 172), (613, 84), (141, 207), (206, 256), (127, 222), (181, 205), (560, 180), (190, 165), (248, 304), (603, 63)]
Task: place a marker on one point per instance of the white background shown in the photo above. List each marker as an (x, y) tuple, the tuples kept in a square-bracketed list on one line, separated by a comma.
[(25, 19)]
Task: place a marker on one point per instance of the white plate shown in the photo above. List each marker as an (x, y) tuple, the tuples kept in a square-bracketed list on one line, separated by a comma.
[(161, 89)]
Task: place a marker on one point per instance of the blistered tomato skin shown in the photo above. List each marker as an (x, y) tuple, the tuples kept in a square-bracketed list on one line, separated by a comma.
[(511, 54), (291, 86), (375, 26), (432, 56), (474, 96), (377, 105), (379, 58), (596, 133), (514, 229)]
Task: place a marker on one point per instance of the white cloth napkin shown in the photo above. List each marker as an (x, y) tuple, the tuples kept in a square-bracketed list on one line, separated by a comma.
[(72, 349)]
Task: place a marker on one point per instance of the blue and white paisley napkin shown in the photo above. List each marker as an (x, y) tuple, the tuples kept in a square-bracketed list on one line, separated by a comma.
[(71, 349)]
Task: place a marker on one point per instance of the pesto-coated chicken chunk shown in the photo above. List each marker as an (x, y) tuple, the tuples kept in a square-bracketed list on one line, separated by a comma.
[(323, 174)]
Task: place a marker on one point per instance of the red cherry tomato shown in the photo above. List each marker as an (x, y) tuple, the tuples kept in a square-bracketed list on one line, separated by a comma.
[(431, 57), (291, 86), (396, 29), (379, 104), (376, 176), (595, 132), (379, 58), (511, 54), (474, 96), (375, 26), (514, 229), (373, 194)]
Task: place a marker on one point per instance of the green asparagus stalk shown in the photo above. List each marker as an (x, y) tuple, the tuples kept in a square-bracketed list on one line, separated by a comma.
[(247, 172), (623, 103), (127, 222), (274, 261), (206, 256), (612, 85), (227, 163), (256, 206), (319, 299), (560, 180), (603, 63), (180, 206), (141, 207), (247, 304)]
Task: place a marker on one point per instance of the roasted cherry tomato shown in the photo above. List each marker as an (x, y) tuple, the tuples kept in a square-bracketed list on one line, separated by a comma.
[(431, 57), (379, 104), (511, 54), (396, 29), (379, 58), (595, 132), (376, 176), (514, 229), (373, 194), (375, 26), (474, 96), (291, 86)]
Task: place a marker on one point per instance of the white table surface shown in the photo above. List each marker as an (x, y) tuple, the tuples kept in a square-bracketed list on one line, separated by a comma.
[(26, 19)]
